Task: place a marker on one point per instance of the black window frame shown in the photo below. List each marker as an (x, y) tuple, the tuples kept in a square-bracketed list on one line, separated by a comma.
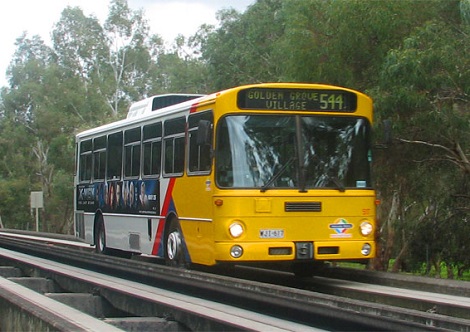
[(132, 152), (174, 142), (115, 151), (99, 158), (199, 159), (152, 150), (85, 171)]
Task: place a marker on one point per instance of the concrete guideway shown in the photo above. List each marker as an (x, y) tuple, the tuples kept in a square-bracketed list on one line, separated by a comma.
[(58, 239), (34, 311), (382, 301), (451, 305), (225, 315)]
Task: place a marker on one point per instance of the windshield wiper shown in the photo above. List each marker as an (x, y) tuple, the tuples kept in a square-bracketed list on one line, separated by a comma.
[(276, 176), (338, 183)]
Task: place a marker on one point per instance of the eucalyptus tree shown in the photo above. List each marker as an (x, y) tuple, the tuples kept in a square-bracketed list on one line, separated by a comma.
[(32, 124), (243, 49), (344, 42), (181, 68), (81, 50), (423, 91), (87, 78), (116, 62), (133, 54), (15, 169)]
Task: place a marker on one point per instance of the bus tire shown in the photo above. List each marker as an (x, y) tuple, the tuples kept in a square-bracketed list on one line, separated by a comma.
[(100, 236), (174, 253)]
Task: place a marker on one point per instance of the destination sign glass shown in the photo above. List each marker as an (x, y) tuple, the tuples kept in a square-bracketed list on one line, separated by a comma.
[(297, 100)]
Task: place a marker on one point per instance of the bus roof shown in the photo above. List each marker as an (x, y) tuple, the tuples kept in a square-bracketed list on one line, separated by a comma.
[(144, 109), (158, 102), (168, 104)]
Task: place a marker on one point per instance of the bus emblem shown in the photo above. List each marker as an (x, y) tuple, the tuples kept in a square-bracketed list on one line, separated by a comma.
[(341, 227)]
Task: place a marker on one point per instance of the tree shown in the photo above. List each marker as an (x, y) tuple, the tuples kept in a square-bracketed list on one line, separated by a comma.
[(424, 91), (243, 49), (132, 57), (81, 48), (87, 78), (181, 69), (345, 42), (19, 130), (116, 63)]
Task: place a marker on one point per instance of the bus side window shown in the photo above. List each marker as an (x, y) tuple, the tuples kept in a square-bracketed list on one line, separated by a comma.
[(99, 158), (152, 149), (114, 162), (199, 160), (85, 161), (132, 138), (173, 143)]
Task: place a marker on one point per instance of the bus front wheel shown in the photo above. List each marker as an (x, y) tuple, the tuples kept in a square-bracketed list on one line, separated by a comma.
[(174, 254), (100, 237)]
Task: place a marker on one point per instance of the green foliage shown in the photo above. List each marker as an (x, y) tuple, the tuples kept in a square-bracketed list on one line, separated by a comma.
[(60, 204), (423, 89), (14, 202), (79, 42), (243, 49), (87, 78)]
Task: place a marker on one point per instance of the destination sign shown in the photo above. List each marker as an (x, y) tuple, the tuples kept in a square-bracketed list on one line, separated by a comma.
[(297, 100)]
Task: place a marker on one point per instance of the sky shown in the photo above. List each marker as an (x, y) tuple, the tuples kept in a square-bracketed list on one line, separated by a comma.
[(167, 18)]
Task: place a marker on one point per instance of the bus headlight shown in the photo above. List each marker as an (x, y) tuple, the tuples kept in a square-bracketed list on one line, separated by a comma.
[(236, 230), (366, 228)]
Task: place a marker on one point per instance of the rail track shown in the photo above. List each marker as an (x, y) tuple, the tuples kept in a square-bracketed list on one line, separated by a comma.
[(244, 299)]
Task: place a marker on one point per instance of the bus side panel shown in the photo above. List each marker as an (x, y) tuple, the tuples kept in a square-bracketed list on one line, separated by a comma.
[(130, 210), (193, 200), (89, 220), (133, 234)]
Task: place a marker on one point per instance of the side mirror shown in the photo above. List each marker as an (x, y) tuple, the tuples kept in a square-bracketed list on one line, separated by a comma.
[(204, 132)]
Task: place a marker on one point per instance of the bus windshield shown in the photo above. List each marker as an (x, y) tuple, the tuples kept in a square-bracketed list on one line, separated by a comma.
[(296, 151)]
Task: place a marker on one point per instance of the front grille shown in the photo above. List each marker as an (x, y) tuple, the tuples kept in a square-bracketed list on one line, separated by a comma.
[(302, 206), (280, 251), (328, 250)]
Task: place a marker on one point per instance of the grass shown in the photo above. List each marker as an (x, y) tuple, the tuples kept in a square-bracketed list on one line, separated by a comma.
[(421, 271)]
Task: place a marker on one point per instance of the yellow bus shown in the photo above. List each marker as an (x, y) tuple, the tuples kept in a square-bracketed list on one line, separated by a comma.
[(263, 173)]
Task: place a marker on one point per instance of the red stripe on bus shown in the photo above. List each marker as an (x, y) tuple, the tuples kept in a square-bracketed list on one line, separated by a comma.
[(169, 194), (158, 237), (193, 108), (164, 212)]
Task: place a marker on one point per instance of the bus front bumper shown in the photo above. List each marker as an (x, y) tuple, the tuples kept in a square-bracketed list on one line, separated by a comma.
[(285, 251)]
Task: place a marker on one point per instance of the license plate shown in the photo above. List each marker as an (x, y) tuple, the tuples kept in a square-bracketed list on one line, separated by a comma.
[(271, 233)]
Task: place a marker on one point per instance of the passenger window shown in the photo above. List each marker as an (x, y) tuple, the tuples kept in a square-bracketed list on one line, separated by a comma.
[(132, 140), (114, 160), (85, 160), (152, 149), (99, 158), (173, 142)]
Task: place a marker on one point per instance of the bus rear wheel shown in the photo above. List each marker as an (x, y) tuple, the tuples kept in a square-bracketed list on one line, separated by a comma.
[(174, 254)]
